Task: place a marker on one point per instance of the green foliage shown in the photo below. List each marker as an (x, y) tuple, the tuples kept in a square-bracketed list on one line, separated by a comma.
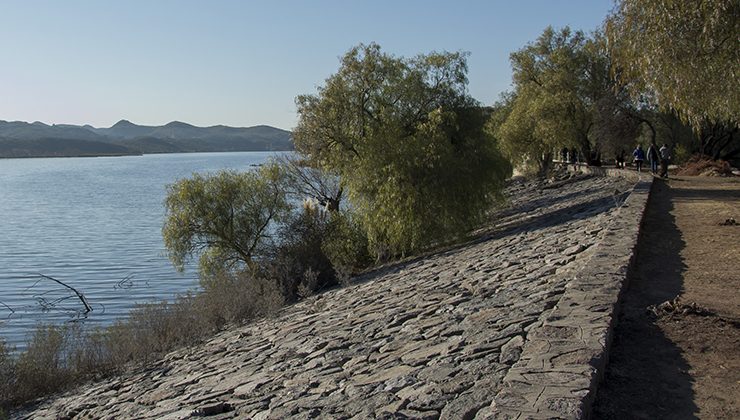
[(558, 79), (566, 96), (407, 142), (346, 244), (551, 75), (683, 55), (245, 222), (515, 128), (225, 218), (680, 154)]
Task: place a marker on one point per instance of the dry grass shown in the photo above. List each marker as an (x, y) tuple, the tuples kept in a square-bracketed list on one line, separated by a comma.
[(60, 356)]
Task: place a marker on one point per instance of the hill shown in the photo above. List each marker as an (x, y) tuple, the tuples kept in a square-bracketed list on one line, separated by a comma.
[(22, 139), (56, 147)]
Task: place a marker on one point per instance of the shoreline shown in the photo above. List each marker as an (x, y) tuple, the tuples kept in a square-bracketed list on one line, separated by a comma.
[(140, 154)]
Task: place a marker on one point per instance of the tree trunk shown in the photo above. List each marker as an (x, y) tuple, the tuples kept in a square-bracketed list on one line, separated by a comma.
[(586, 150), (545, 164), (333, 203), (652, 130)]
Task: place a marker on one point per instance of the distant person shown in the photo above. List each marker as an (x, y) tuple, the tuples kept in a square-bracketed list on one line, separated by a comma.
[(639, 156), (573, 156), (653, 157), (620, 159), (665, 159)]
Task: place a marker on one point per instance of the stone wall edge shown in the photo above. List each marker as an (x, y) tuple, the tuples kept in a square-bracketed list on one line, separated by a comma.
[(579, 330)]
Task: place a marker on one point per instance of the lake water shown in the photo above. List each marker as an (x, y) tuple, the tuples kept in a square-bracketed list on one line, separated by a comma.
[(94, 224)]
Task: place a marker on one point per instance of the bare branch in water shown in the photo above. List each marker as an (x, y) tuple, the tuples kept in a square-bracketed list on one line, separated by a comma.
[(125, 283), (12, 311), (81, 296)]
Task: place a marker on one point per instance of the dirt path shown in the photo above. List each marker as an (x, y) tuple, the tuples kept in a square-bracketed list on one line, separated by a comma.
[(680, 361)]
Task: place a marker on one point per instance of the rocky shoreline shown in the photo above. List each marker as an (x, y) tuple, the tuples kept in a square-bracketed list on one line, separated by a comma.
[(470, 332)]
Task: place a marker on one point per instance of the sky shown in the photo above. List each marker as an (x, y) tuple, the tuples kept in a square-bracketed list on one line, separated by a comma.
[(241, 63)]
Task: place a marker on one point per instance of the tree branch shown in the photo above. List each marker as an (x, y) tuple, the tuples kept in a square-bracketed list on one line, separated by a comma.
[(79, 295)]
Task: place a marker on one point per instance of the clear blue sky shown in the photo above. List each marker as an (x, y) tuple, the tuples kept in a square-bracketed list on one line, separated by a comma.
[(240, 63)]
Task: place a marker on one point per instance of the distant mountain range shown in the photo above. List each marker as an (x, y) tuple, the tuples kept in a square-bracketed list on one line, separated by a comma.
[(22, 139)]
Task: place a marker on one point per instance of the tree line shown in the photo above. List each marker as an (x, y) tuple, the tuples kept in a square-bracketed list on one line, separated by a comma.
[(398, 156), (658, 71)]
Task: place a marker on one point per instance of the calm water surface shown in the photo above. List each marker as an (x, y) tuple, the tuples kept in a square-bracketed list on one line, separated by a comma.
[(95, 224)]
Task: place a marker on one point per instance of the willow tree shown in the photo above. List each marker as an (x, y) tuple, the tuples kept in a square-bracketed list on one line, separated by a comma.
[(557, 80), (513, 123), (686, 54), (685, 57), (226, 219), (407, 142)]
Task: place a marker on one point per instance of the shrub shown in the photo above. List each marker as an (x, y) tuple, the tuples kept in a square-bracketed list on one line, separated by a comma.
[(299, 261), (681, 154), (7, 377), (346, 244), (42, 368), (230, 298)]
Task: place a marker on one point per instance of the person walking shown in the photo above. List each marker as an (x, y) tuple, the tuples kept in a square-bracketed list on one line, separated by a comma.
[(620, 159), (573, 156), (665, 159), (653, 157), (639, 156)]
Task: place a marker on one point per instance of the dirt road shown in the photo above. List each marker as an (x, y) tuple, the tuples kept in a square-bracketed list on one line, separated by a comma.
[(680, 360)]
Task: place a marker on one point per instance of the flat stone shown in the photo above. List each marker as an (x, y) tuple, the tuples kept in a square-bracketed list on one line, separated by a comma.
[(252, 383), (575, 249), (425, 353), (384, 375), (213, 409), (511, 351)]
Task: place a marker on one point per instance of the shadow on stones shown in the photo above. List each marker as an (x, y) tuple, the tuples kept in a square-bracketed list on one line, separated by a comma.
[(552, 198), (647, 377), (561, 216), (582, 210)]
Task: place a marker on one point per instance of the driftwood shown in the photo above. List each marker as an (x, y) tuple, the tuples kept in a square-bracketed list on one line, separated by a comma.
[(81, 296)]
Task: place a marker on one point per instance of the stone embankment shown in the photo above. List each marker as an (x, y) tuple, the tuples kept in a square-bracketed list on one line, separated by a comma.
[(513, 324)]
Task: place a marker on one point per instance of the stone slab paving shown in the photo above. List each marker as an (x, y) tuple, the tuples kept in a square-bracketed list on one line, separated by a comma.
[(564, 359), (469, 332)]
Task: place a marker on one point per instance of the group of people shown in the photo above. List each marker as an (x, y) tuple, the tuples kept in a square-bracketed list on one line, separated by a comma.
[(654, 156)]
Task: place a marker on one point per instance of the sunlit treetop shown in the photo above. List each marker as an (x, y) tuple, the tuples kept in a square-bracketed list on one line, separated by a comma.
[(685, 53)]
